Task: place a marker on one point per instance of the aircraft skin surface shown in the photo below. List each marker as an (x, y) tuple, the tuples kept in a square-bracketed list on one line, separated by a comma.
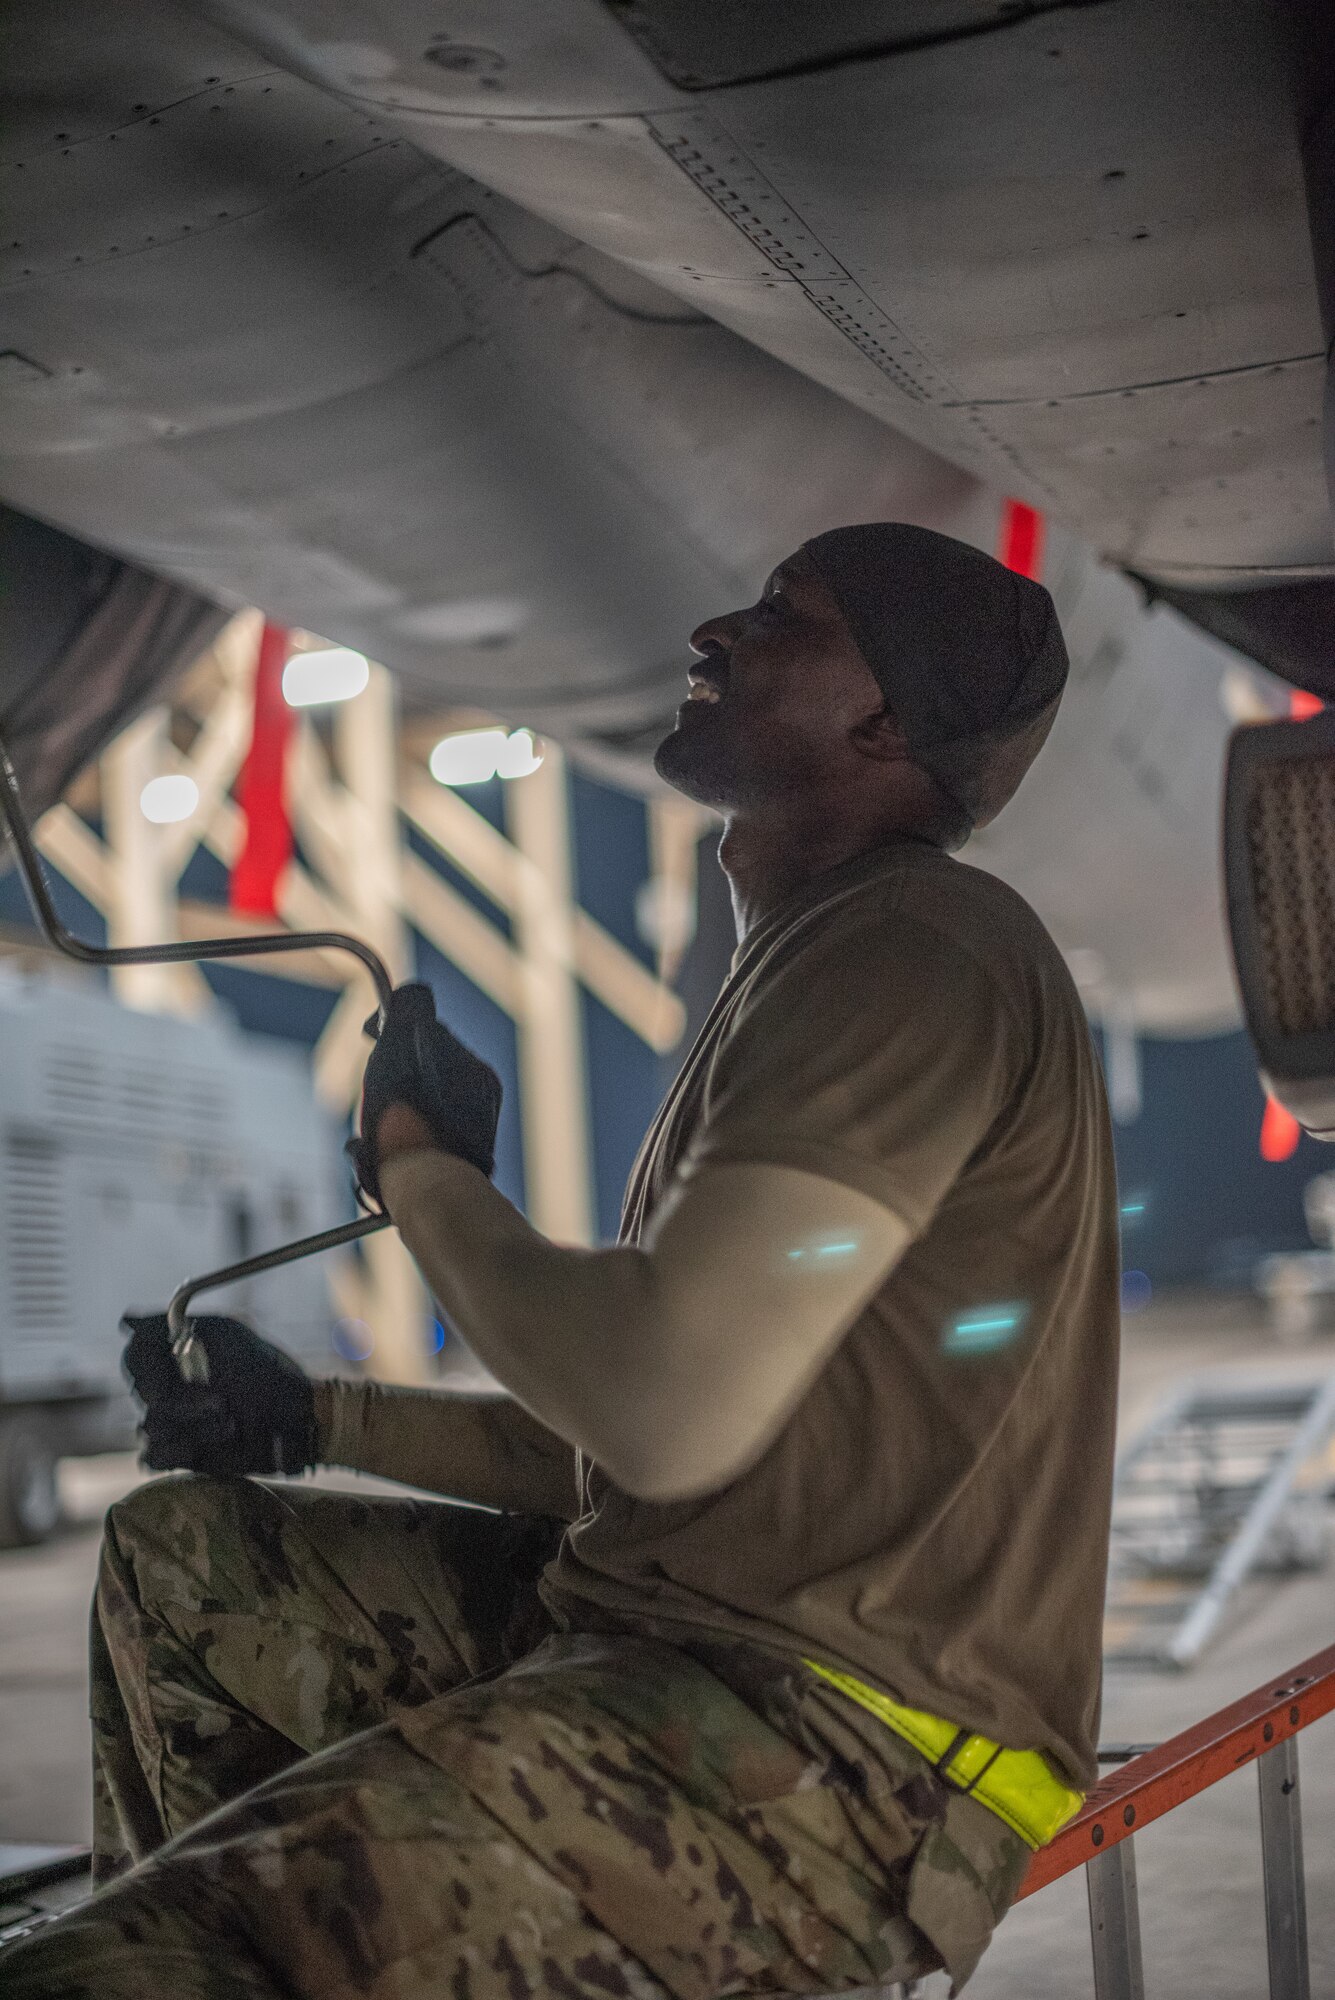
[(275, 352), (270, 333), (1067, 248), (514, 430), (1114, 835)]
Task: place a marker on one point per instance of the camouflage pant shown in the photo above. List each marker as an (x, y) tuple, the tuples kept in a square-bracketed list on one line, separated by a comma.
[(599, 1815)]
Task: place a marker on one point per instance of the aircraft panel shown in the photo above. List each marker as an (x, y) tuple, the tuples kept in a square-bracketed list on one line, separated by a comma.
[(1127, 793), (390, 407), (975, 235), (702, 48)]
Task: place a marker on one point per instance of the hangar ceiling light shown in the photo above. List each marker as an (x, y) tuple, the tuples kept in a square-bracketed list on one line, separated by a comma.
[(472, 756), (332, 674), (167, 799)]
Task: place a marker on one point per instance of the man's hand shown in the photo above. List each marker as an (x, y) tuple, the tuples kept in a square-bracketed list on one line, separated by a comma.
[(256, 1413), (418, 1063)]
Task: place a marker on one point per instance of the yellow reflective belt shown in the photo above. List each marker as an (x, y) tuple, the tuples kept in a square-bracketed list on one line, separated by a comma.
[(1020, 1786)]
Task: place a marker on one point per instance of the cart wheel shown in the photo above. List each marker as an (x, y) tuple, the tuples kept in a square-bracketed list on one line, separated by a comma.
[(29, 1495)]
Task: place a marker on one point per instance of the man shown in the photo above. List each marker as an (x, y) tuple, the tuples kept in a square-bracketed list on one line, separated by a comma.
[(826, 1440)]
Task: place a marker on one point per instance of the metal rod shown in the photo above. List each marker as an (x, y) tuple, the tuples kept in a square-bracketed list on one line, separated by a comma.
[(1246, 1546), (1114, 1924), (257, 946), (190, 1358), (1282, 1869)]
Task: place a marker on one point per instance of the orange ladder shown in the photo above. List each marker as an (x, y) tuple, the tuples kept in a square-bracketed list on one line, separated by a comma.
[(1262, 1727)]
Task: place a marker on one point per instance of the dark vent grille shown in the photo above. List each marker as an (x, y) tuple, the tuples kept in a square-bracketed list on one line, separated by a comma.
[(132, 1100), (1291, 840), (76, 1085), (37, 1289), (202, 1101), (145, 1096), (181, 1104)]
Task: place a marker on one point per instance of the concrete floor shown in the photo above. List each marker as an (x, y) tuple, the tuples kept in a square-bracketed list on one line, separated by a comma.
[(1199, 1869)]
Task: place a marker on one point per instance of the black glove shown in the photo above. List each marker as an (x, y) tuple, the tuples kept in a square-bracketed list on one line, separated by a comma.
[(417, 1061), (256, 1412)]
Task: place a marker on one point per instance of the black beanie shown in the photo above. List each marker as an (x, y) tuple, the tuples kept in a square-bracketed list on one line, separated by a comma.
[(968, 654)]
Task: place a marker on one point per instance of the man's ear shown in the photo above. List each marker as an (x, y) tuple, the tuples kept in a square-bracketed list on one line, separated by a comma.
[(880, 737)]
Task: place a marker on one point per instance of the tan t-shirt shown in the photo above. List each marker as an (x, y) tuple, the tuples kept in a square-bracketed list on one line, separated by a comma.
[(934, 1516)]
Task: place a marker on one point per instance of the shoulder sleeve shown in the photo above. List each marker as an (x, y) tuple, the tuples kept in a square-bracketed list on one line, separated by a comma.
[(880, 1055)]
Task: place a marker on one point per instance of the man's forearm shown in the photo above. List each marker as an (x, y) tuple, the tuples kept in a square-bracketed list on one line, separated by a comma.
[(536, 1315), (483, 1449), (672, 1363)]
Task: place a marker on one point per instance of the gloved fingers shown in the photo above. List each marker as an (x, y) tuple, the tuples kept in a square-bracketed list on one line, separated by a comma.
[(148, 1359), (408, 1005), (170, 1452), (411, 996), (195, 1432), (420, 1062), (392, 1070), (481, 1076), (256, 1413), (222, 1337), (464, 1094), (195, 1406), (361, 1154), (234, 1352)]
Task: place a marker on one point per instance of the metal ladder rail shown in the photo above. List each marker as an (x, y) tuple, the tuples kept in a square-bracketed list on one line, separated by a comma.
[(1263, 1725)]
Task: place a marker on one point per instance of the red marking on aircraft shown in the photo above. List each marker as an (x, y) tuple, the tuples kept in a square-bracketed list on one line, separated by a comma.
[(1021, 542), (267, 846)]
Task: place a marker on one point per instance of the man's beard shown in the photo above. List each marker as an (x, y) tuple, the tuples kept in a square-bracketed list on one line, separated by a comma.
[(696, 761)]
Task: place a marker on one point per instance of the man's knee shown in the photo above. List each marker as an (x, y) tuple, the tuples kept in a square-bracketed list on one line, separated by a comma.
[(171, 1537), (168, 1516)]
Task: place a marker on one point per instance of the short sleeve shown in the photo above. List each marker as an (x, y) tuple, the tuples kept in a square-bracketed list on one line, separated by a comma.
[(881, 1055)]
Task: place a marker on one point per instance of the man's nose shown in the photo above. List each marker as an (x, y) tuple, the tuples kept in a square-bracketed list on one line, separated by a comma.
[(716, 635)]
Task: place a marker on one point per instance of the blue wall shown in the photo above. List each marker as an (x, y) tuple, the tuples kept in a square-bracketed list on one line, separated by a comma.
[(1204, 1204), (611, 860)]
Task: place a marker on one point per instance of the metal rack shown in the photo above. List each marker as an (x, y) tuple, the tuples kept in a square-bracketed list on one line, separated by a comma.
[(1226, 1480)]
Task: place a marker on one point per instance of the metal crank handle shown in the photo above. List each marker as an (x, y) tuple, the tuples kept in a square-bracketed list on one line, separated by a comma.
[(189, 1355), (258, 945)]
